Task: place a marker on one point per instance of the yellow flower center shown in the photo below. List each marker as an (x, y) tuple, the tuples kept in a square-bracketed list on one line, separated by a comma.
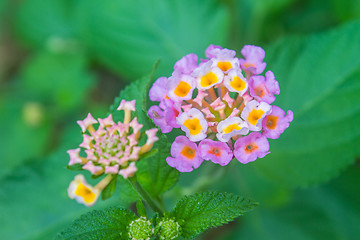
[(193, 125), (272, 122), (85, 193), (208, 79), (231, 128), (255, 115), (182, 89), (238, 84), (224, 66), (188, 152)]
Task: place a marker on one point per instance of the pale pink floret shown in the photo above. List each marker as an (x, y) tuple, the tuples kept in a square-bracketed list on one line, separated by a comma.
[(224, 55), (249, 148), (129, 171), (135, 153), (95, 170), (264, 88), (74, 156), (217, 152), (186, 64), (218, 105), (90, 154), (132, 140), (158, 90), (228, 100), (151, 136), (208, 113), (106, 122), (112, 169), (127, 105), (87, 141), (275, 123), (157, 115), (185, 155), (88, 121), (135, 125), (253, 61), (200, 96)]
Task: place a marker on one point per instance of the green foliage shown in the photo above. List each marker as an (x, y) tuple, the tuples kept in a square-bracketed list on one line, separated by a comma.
[(128, 36), (329, 212), (59, 79), (321, 86), (201, 211), (38, 22), (110, 223), (346, 10)]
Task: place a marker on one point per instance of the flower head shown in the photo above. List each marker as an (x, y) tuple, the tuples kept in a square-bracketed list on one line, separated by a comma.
[(218, 101), (185, 155), (113, 148)]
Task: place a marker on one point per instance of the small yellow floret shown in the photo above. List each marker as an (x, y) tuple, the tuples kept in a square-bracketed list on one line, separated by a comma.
[(231, 128), (224, 66), (193, 125), (182, 89), (238, 84), (85, 192), (255, 115), (208, 79)]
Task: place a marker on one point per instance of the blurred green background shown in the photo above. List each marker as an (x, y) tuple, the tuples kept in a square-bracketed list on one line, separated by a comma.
[(60, 59)]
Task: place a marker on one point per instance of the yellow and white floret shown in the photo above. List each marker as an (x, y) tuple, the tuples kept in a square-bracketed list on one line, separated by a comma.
[(82, 192), (254, 112), (230, 127), (193, 123), (225, 59), (181, 87), (234, 81), (208, 76)]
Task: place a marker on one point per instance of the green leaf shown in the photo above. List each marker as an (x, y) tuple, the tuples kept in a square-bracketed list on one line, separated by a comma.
[(109, 189), (346, 10), (319, 80), (140, 208), (331, 212), (75, 167), (110, 223), (154, 174), (201, 211), (37, 22), (135, 37)]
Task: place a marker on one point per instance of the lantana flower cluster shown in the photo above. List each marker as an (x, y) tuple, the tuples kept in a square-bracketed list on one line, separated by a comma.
[(222, 104), (112, 149)]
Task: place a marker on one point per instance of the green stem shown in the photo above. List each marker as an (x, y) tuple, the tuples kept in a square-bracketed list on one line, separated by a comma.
[(145, 196)]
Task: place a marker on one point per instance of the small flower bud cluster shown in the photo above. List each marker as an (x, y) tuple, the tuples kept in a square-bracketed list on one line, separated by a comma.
[(224, 103), (141, 229), (168, 229), (112, 148)]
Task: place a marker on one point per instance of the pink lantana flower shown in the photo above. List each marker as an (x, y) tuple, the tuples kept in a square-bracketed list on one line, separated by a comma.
[(219, 101), (264, 88), (276, 123), (248, 149), (185, 155), (217, 152), (253, 61)]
